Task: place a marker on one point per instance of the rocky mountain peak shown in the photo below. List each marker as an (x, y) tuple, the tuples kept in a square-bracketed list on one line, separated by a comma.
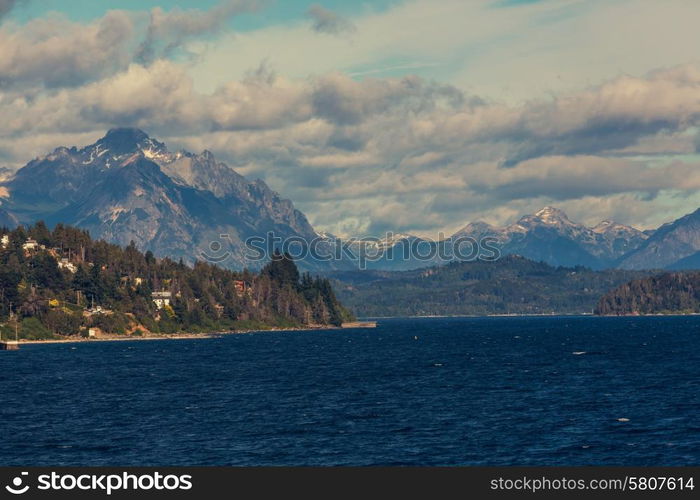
[(610, 226), (124, 140), (119, 142), (551, 214)]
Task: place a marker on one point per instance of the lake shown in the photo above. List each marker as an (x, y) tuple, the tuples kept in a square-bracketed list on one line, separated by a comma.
[(429, 391)]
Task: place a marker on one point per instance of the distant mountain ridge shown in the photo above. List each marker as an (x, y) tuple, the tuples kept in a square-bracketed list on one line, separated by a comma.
[(551, 237), (671, 246), (512, 285), (548, 236)]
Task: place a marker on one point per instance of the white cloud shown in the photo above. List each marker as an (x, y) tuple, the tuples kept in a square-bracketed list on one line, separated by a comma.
[(55, 52)]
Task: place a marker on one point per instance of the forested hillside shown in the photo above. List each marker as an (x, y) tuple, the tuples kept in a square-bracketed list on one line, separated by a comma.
[(670, 293), (510, 285), (61, 282)]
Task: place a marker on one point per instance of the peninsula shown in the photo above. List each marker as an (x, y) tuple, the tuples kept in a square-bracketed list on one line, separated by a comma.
[(61, 284)]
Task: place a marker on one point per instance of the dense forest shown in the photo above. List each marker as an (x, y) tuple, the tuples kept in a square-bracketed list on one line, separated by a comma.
[(60, 282), (511, 285), (669, 293)]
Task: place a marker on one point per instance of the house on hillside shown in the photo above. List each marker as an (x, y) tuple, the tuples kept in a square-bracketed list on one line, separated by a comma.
[(95, 310), (30, 245), (161, 299), (241, 287), (64, 263), (5, 240)]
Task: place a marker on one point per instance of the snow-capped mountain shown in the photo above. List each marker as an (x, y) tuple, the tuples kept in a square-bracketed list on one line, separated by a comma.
[(386, 242), (550, 236), (547, 235), (394, 252), (129, 187), (620, 239)]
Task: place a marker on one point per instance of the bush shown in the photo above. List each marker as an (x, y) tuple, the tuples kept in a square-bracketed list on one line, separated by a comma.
[(62, 322), (111, 323), (32, 329)]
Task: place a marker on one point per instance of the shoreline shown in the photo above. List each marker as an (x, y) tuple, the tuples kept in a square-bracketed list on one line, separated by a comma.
[(370, 322), (365, 323), (190, 336)]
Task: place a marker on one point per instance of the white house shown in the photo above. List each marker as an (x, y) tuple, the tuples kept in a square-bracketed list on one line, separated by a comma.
[(161, 299), (5, 240), (64, 263), (30, 244)]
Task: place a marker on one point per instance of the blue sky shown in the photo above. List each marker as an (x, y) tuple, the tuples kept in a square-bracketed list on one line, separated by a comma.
[(411, 115)]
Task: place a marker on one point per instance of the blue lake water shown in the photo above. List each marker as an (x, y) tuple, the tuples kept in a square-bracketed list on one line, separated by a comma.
[(466, 391)]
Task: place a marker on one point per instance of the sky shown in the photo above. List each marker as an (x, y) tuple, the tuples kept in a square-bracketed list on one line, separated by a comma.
[(413, 116)]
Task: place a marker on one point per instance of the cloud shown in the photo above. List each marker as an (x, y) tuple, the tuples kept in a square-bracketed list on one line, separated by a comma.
[(357, 154), (169, 30), (6, 6), (573, 177), (343, 100), (54, 52), (328, 22)]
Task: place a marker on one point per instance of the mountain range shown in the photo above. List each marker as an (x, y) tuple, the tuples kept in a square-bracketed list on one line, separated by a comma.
[(550, 236), (128, 187)]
